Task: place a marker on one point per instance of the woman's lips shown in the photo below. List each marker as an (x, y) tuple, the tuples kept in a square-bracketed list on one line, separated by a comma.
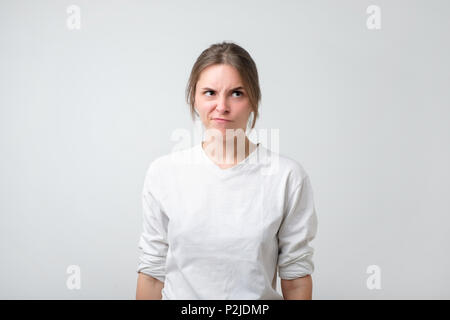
[(221, 120)]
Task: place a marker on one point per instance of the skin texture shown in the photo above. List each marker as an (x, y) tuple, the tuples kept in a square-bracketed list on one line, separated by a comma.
[(217, 95), (297, 289), (148, 288)]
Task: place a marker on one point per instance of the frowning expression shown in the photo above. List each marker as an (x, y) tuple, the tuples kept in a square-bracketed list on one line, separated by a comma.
[(221, 99)]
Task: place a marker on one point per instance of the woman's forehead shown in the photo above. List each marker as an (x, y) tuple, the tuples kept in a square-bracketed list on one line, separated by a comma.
[(220, 75)]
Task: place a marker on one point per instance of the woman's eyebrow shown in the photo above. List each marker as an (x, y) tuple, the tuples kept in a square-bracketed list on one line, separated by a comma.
[(237, 88)]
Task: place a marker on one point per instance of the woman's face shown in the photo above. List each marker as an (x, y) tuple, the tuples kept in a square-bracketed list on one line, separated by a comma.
[(220, 93)]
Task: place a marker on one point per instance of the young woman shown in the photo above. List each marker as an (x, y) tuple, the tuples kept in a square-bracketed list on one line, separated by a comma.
[(220, 226)]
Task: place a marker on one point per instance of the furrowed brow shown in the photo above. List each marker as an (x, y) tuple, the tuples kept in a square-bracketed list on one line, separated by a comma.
[(237, 88)]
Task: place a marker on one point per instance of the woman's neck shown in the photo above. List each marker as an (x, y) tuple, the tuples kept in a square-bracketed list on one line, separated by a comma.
[(233, 151)]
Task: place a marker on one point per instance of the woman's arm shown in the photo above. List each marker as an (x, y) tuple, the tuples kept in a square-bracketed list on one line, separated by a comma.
[(297, 289), (148, 288)]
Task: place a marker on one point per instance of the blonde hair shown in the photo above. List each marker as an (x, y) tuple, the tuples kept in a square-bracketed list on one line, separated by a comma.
[(236, 56)]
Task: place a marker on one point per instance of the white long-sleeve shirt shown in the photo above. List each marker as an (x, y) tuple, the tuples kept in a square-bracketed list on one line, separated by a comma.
[(220, 234)]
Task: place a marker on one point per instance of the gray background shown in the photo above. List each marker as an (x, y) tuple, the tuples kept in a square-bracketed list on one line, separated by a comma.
[(84, 112)]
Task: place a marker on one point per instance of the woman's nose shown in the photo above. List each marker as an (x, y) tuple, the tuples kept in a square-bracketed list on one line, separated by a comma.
[(221, 104)]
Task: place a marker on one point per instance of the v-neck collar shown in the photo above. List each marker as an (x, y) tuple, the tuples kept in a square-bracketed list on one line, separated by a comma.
[(226, 172)]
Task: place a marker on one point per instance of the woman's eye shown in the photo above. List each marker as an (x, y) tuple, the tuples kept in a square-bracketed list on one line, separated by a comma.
[(211, 92)]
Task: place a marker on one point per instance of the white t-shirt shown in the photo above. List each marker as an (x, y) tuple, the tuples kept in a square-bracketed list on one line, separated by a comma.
[(220, 234)]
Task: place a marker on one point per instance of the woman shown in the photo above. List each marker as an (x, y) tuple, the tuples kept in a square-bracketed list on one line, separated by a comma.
[(220, 226)]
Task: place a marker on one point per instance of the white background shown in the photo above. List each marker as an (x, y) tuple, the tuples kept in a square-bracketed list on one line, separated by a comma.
[(83, 113)]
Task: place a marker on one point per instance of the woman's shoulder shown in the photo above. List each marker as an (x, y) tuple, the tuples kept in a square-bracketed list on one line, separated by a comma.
[(175, 157), (286, 166)]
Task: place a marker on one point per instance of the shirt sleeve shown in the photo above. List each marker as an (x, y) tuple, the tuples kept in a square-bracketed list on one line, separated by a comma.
[(153, 240), (297, 230)]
